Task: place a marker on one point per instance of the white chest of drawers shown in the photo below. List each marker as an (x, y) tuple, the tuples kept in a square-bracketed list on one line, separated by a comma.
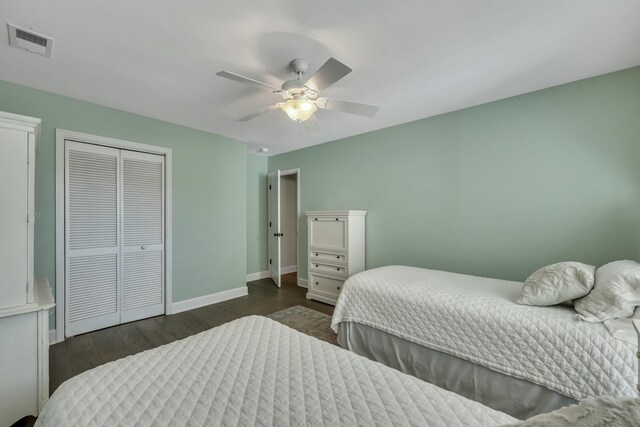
[(336, 251)]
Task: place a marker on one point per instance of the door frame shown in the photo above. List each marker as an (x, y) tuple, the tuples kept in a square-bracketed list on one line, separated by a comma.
[(294, 171), (61, 136)]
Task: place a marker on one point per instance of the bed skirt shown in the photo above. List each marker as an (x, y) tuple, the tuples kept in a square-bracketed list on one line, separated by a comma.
[(515, 396)]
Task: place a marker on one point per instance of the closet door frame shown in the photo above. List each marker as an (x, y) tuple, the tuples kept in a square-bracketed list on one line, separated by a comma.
[(63, 135)]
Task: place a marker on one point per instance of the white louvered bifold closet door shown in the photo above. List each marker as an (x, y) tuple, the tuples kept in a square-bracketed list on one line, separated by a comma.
[(142, 235), (114, 225), (92, 238)]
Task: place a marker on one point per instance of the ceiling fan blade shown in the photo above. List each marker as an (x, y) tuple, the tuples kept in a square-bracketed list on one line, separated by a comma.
[(348, 107), (259, 112), (246, 80), (332, 71)]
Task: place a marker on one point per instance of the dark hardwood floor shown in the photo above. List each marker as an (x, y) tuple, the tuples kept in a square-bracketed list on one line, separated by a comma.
[(83, 352)]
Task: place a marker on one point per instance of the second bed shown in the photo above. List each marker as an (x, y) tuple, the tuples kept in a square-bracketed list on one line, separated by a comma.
[(467, 334)]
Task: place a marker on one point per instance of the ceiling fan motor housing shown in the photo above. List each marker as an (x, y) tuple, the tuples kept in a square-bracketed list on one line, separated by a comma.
[(299, 65)]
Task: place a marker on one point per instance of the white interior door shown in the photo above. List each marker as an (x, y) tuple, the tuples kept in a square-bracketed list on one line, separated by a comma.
[(274, 226), (143, 235), (92, 252)]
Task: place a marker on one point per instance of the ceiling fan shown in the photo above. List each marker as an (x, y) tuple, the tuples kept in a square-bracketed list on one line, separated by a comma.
[(300, 99)]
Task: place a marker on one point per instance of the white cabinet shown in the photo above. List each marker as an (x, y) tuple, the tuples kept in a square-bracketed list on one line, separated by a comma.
[(336, 251), (24, 302)]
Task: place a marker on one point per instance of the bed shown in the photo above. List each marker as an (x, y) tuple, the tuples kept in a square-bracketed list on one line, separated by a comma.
[(466, 334), (255, 371)]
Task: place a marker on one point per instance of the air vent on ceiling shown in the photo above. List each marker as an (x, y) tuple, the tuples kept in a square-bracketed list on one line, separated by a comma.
[(30, 41)]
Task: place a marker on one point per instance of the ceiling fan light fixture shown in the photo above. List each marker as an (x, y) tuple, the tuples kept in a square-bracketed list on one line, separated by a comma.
[(299, 109)]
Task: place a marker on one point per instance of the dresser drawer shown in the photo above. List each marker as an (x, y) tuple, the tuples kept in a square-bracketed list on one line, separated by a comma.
[(324, 268), (320, 256), (325, 285)]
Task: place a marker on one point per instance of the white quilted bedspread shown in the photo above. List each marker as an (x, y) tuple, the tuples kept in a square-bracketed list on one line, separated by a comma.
[(255, 371), (476, 319)]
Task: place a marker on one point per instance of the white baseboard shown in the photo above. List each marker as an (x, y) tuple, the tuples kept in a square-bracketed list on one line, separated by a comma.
[(303, 283), (290, 269), (257, 276), (190, 304)]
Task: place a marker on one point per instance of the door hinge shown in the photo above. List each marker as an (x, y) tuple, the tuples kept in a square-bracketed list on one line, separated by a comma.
[(269, 186), (27, 218), (269, 223), (269, 261)]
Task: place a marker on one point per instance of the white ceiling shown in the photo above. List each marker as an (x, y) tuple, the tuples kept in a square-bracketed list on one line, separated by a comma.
[(413, 58)]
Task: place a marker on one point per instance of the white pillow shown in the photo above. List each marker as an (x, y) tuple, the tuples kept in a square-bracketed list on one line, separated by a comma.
[(603, 411), (557, 283), (615, 295)]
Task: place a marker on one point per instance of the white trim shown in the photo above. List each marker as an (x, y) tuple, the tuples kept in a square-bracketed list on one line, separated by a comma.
[(190, 304), (61, 136), (52, 337), (258, 275), (18, 122), (303, 283), (290, 269)]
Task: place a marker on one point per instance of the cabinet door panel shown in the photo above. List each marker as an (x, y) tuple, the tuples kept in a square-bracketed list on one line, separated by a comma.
[(328, 233), (14, 244)]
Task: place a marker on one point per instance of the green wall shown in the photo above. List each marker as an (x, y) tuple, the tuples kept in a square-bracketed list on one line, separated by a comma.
[(256, 214), (209, 187), (495, 190)]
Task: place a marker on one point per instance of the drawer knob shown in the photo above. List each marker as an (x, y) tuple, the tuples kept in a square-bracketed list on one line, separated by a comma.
[(337, 219), (315, 219), (317, 283), (338, 256), (338, 287), (316, 265), (338, 268), (316, 254)]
